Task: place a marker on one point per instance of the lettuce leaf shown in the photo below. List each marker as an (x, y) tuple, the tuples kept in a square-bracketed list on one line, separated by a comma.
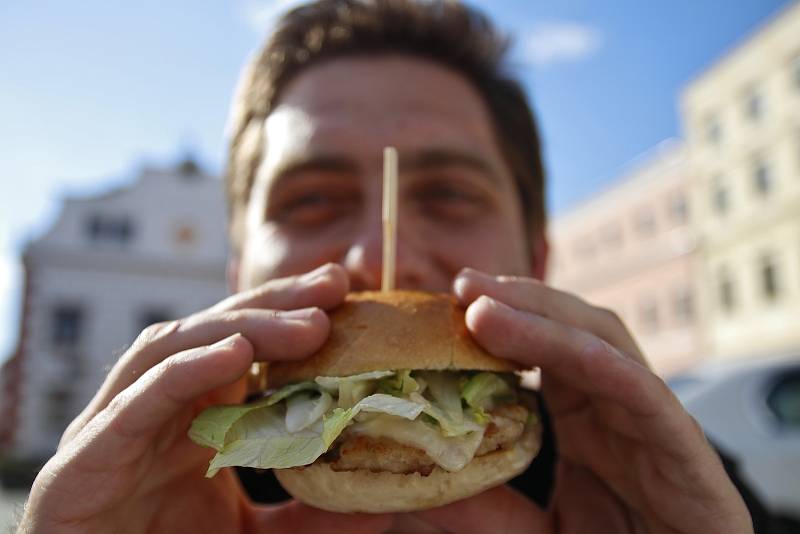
[(260, 438), (351, 389), (291, 389), (449, 426), (333, 383), (483, 389), (298, 423), (444, 388), (303, 409), (399, 385), (212, 425)]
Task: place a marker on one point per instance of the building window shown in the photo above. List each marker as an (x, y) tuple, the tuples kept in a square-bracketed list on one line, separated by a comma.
[(67, 325), (109, 228), (683, 306), (720, 198), (762, 180), (648, 315), (768, 273), (754, 106), (727, 296), (645, 222), (679, 208), (713, 130)]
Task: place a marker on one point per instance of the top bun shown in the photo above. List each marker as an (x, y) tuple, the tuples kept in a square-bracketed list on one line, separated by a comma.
[(376, 331)]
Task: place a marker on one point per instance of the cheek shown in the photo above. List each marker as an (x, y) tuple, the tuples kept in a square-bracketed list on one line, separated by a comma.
[(494, 247), (270, 253)]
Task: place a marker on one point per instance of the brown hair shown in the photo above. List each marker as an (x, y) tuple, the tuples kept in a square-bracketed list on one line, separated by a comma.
[(444, 31)]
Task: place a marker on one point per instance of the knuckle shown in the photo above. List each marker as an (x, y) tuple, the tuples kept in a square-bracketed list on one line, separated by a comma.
[(661, 389), (117, 403), (156, 332), (232, 317), (166, 367)]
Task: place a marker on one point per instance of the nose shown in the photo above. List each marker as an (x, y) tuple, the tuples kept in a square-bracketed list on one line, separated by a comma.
[(364, 259)]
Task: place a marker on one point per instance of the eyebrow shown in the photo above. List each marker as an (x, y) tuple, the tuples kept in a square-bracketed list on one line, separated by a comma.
[(434, 158), (416, 161), (330, 163)]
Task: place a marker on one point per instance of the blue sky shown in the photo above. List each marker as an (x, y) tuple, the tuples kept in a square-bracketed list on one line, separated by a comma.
[(90, 91)]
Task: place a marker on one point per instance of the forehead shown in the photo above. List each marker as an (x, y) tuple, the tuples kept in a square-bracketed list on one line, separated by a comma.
[(359, 105)]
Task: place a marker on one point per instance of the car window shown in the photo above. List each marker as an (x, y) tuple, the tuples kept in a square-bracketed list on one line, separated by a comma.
[(784, 400)]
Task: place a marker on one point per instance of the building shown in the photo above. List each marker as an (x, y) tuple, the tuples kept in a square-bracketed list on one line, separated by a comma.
[(110, 265), (742, 126), (632, 249)]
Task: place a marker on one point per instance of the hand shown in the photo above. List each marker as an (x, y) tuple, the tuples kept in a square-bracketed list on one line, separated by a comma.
[(631, 459), (126, 465)]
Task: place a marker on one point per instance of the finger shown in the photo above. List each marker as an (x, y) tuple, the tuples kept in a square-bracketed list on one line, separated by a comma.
[(108, 453), (298, 517), (325, 287), (168, 387), (275, 335), (573, 356), (500, 509), (584, 363), (536, 297)]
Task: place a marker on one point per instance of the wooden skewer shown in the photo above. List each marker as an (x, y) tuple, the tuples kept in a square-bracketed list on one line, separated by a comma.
[(389, 218)]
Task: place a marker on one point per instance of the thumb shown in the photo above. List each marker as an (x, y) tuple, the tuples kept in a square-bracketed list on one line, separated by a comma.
[(500, 509)]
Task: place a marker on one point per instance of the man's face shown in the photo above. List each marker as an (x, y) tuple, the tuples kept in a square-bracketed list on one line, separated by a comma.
[(317, 196)]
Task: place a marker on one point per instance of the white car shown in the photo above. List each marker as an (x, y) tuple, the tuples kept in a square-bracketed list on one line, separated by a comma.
[(750, 410)]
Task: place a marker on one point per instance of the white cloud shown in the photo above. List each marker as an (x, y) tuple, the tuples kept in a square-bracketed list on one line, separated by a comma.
[(559, 42), (261, 15)]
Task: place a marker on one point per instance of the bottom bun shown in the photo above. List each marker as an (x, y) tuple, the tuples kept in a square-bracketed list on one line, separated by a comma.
[(382, 492)]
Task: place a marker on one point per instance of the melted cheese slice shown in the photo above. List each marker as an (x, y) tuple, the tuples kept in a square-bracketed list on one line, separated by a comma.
[(451, 454)]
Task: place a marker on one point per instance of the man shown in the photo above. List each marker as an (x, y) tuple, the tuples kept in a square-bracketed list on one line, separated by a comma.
[(338, 81)]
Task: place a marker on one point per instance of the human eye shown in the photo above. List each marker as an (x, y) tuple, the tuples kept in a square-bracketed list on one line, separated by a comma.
[(312, 207), (450, 200)]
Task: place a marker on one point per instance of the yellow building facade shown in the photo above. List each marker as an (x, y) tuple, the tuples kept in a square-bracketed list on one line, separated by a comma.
[(742, 127)]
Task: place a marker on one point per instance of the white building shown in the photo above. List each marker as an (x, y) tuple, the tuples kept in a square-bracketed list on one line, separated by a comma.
[(632, 249), (108, 267)]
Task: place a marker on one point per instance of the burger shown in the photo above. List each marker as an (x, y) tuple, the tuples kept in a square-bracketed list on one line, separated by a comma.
[(399, 411)]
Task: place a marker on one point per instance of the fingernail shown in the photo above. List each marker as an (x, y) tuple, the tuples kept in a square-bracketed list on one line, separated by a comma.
[(227, 342), (301, 314), (481, 302), (492, 304), (459, 286), (466, 271), (486, 301)]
